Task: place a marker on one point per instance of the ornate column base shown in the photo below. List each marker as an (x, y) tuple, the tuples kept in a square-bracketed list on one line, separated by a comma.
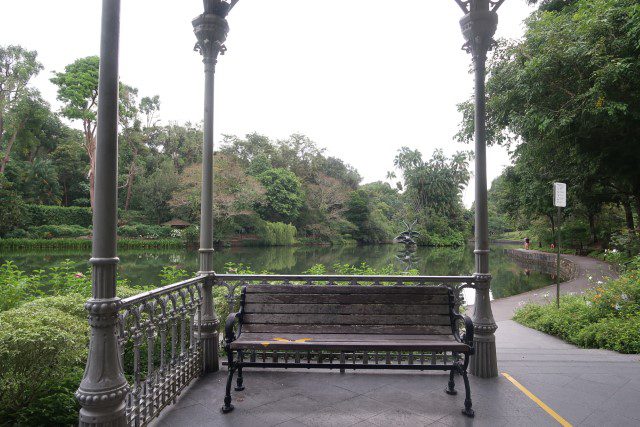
[(210, 346), (209, 335), (484, 363), (90, 418)]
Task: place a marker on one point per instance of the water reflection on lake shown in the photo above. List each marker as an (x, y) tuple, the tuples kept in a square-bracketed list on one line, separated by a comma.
[(143, 266)]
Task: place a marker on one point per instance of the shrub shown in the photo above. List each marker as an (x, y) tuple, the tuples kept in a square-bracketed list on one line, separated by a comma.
[(365, 269), (36, 215), (605, 317), (15, 286), (145, 231), (56, 231), (42, 354), (191, 235), (18, 233)]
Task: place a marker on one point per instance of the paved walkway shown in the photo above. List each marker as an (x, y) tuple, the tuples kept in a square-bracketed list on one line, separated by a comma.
[(586, 268), (584, 387)]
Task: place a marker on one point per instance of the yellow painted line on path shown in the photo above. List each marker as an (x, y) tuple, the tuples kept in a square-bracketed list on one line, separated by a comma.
[(539, 402)]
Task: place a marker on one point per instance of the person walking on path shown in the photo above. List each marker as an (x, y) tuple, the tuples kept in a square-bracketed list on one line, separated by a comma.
[(527, 242)]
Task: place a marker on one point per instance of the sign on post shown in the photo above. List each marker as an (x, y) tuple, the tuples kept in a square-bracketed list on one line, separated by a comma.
[(559, 201), (559, 195)]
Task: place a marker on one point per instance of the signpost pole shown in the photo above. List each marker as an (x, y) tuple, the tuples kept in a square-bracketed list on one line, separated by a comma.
[(558, 260), (559, 201)]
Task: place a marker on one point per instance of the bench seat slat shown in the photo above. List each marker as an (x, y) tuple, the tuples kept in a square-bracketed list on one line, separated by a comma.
[(347, 308), (319, 342), (265, 336), (347, 319), (349, 329)]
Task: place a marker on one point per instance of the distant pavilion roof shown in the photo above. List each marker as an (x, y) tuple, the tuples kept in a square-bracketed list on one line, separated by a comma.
[(178, 223)]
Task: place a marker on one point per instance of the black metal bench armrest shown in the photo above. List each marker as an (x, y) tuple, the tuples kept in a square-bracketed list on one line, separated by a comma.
[(229, 334), (467, 337)]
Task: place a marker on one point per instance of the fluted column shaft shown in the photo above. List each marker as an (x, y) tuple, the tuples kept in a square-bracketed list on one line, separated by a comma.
[(211, 31), (479, 26), (103, 388)]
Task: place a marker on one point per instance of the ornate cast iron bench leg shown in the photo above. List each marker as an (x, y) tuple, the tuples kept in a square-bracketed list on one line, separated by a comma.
[(239, 385), (451, 387), (467, 389), (228, 407)]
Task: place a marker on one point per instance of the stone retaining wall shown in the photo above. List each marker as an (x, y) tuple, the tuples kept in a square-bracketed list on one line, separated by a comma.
[(544, 262)]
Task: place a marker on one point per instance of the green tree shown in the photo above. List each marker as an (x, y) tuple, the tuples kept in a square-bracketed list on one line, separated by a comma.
[(433, 194), (78, 91), (17, 67), (71, 161), (283, 198), (567, 98), (11, 207), (155, 192)]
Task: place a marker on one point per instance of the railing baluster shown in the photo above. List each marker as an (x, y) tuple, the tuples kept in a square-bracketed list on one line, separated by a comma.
[(136, 376), (149, 396)]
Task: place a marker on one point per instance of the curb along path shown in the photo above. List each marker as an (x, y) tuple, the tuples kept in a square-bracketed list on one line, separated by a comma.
[(584, 268)]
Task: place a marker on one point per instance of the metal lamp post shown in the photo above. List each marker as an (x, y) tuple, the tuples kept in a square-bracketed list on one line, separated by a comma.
[(478, 27), (211, 30)]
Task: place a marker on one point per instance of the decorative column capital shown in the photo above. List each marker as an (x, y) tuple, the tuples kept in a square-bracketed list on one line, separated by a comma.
[(211, 31), (479, 26)]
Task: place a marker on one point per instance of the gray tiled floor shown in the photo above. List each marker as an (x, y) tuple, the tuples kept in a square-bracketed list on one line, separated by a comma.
[(586, 387)]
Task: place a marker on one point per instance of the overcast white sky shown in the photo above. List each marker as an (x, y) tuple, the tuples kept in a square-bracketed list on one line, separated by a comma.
[(360, 77)]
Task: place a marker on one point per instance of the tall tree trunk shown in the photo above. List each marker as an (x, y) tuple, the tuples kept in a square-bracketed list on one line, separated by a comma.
[(92, 168), (7, 152), (553, 228), (130, 179), (628, 213), (637, 205), (132, 175), (592, 227), (90, 146)]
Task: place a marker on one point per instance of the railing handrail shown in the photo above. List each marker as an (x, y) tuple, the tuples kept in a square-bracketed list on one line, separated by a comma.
[(345, 278), (127, 302)]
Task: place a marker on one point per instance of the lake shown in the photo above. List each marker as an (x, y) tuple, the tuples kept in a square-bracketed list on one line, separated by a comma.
[(143, 266)]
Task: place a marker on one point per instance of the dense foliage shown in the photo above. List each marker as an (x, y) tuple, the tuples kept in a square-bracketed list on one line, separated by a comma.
[(43, 342), (566, 100), (433, 195), (606, 317), (270, 192)]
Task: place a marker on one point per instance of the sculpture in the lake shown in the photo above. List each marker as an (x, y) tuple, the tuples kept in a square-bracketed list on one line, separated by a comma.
[(407, 255), (408, 236)]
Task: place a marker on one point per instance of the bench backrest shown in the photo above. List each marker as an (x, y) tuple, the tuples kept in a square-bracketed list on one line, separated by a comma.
[(400, 310)]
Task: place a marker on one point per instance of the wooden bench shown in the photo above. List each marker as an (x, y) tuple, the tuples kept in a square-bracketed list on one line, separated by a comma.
[(348, 327)]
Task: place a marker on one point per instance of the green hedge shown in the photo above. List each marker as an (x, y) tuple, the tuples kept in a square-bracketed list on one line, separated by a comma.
[(11, 244), (37, 215), (56, 231)]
